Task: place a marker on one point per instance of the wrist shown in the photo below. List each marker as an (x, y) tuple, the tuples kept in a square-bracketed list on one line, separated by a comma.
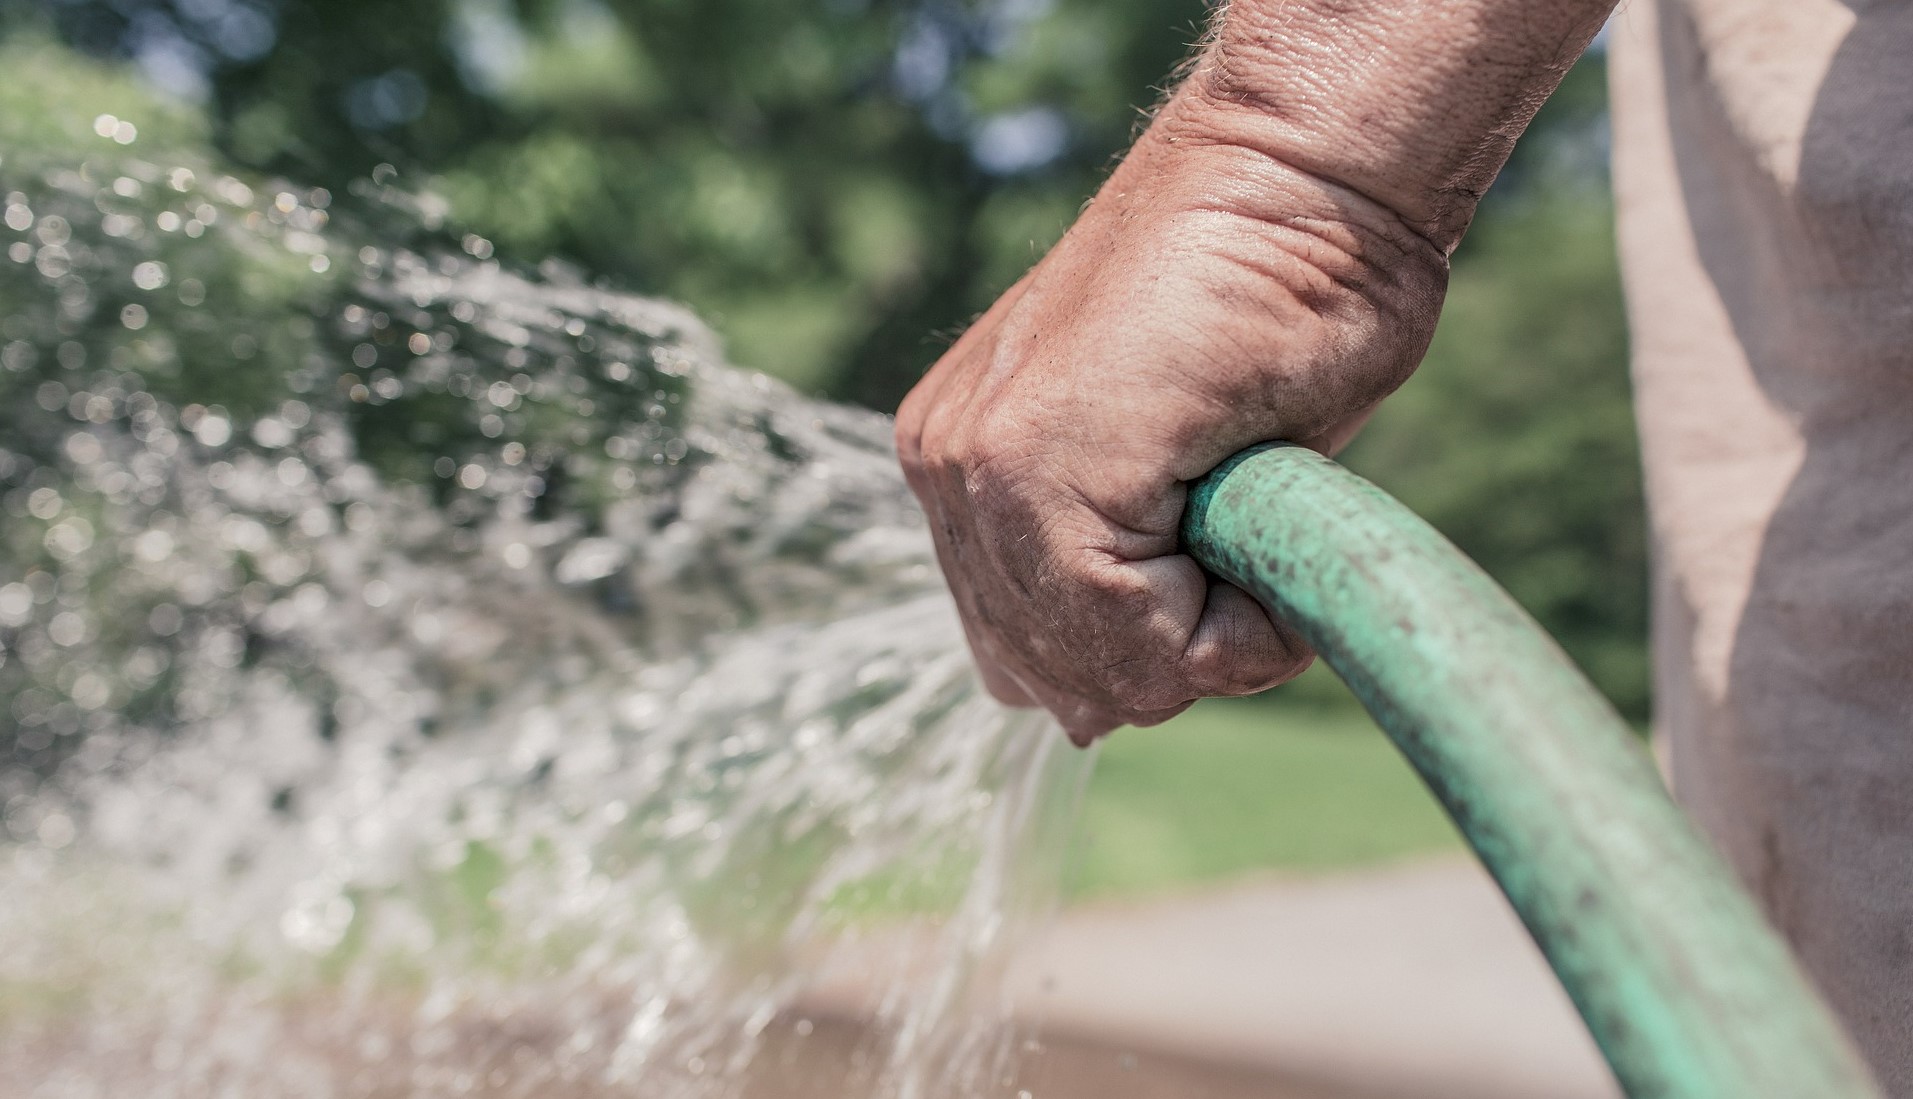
[(1413, 107), (1202, 158)]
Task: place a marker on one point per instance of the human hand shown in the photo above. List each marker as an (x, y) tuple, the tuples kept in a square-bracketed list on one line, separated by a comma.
[(1209, 298)]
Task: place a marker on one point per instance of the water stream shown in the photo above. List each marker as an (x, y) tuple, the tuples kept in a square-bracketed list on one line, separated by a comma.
[(424, 677)]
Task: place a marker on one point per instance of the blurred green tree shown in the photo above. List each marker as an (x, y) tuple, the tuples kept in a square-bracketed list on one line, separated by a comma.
[(833, 183)]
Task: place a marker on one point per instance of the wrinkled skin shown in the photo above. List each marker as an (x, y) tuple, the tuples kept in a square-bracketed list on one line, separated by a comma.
[(1209, 297)]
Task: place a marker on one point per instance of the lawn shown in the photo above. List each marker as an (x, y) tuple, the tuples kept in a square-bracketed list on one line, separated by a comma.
[(1238, 786)]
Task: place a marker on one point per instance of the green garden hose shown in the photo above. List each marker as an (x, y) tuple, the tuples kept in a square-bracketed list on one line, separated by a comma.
[(1688, 991)]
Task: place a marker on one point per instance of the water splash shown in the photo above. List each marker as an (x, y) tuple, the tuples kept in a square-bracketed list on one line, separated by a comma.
[(429, 678)]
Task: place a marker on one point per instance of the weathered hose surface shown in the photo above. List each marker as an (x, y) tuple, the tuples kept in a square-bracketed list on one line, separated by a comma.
[(1685, 987)]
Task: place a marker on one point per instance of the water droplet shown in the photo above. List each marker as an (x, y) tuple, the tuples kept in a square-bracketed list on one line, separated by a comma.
[(123, 227), (44, 503), (67, 629), (90, 691), (18, 356), (52, 262), (82, 448), (272, 433), (165, 620), (212, 429), (153, 546), (16, 604), (150, 275)]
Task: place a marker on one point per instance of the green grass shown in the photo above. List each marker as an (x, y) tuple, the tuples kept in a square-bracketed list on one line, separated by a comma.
[(1244, 785)]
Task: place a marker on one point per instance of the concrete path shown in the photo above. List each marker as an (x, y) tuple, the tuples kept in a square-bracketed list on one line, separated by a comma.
[(1411, 981)]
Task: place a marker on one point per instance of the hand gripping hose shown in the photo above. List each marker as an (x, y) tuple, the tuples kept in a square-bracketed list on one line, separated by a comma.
[(1688, 991)]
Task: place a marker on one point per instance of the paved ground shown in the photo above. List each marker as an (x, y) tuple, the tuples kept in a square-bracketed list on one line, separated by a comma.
[(1412, 981)]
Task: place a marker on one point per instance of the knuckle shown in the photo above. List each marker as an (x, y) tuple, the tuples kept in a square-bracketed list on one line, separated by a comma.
[(1156, 717), (937, 452), (1114, 588), (1006, 435), (993, 462)]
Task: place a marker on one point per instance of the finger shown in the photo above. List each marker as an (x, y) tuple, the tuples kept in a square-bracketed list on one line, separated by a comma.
[(1083, 719), (1238, 648), (1187, 636), (1086, 722), (992, 663), (1157, 717), (1002, 685), (1329, 443), (972, 341)]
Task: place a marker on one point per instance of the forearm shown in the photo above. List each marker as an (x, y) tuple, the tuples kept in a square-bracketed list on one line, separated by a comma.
[(1411, 104)]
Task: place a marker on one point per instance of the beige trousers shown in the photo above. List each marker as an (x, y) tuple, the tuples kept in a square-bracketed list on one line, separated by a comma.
[(1764, 175)]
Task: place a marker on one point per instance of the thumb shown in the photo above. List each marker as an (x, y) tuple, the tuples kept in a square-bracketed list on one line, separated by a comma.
[(1238, 648)]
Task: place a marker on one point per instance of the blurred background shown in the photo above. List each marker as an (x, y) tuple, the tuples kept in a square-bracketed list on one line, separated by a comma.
[(838, 186)]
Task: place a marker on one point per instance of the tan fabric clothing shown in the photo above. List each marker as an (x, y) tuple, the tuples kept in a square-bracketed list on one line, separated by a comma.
[(1764, 174)]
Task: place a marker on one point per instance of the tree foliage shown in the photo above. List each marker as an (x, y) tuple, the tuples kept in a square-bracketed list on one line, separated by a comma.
[(832, 182)]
